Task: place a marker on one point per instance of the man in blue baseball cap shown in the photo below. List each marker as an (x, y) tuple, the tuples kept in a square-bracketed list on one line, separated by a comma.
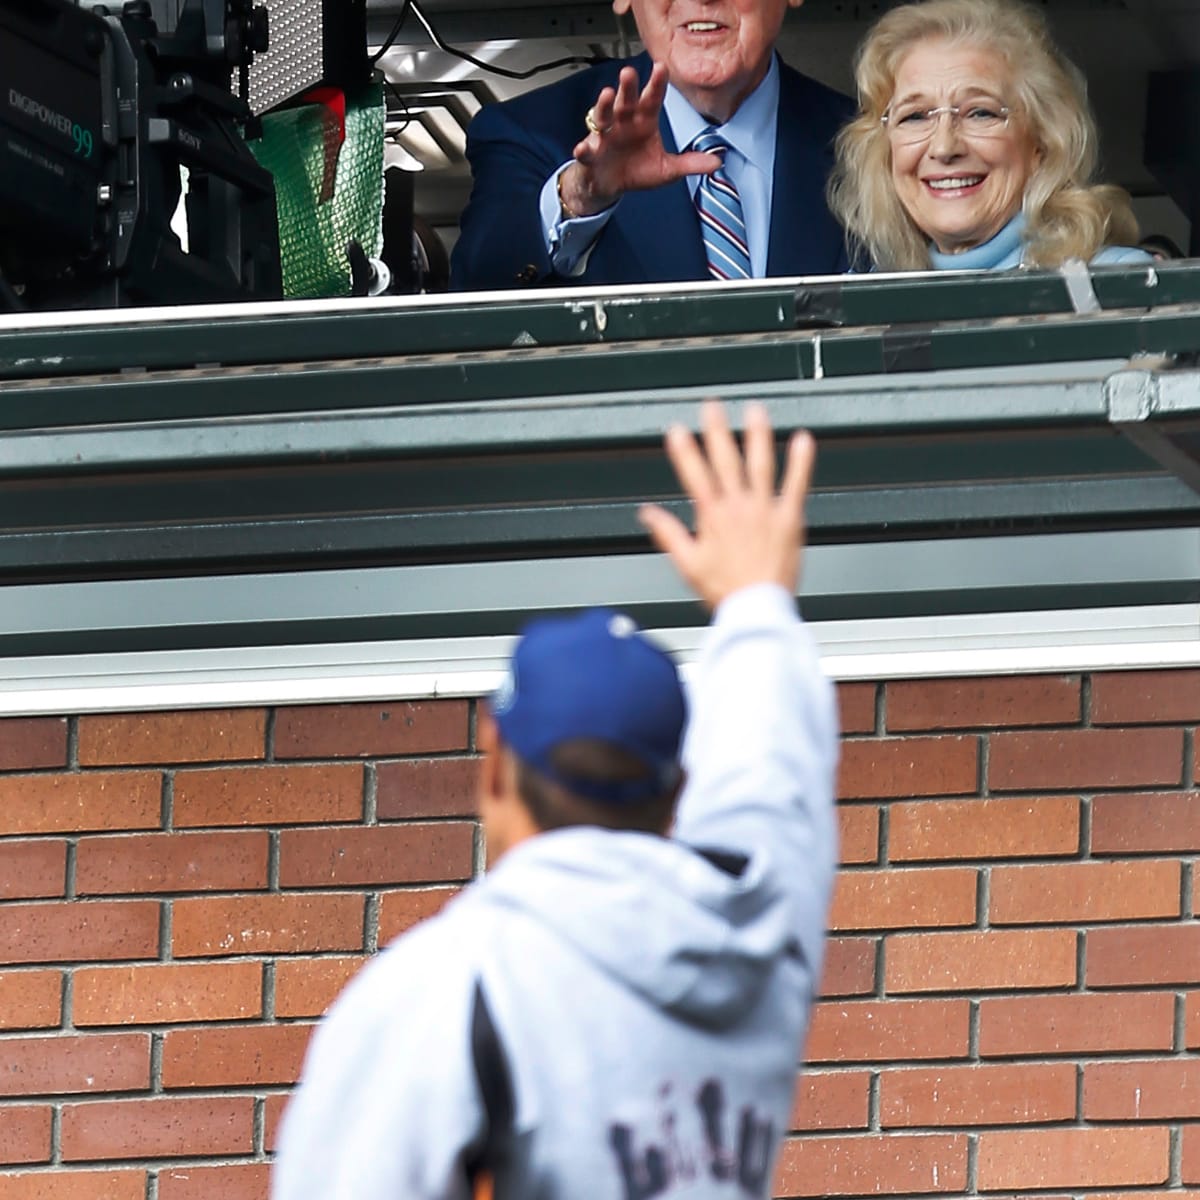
[(616, 1011)]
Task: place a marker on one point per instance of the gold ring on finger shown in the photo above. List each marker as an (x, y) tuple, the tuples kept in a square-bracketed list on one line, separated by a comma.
[(590, 121)]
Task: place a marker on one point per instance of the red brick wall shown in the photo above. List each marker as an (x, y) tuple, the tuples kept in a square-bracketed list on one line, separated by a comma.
[(1011, 1001)]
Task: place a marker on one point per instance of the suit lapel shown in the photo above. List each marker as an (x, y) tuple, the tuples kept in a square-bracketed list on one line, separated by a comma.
[(801, 229)]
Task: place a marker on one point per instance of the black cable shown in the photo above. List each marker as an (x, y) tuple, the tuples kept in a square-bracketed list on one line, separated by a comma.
[(589, 60), (406, 113), (390, 40)]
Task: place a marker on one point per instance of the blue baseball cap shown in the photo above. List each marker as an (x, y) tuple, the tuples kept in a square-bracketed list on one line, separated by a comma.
[(594, 676)]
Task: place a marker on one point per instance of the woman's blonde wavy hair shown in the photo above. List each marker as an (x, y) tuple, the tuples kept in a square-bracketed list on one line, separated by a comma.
[(1067, 214)]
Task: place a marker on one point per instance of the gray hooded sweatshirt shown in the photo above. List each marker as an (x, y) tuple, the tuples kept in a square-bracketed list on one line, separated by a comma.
[(605, 1016)]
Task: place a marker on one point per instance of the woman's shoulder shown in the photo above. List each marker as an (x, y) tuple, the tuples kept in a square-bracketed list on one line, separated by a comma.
[(1121, 254)]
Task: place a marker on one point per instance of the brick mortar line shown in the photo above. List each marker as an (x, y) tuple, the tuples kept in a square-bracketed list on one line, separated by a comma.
[(348, 759), (70, 891), (1085, 702), (1045, 992), (874, 1116), (153, 1166), (227, 1159), (1063, 1125), (391, 822), (478, 851), (971, 1187), (132, 768), (229, 1091), (985, 763), (371, 909), (258, 1135), (66, 998), (269, 736), (882, 852), (1037, 991), (983, 898), (1189, 759), (1072, 923), (160, 1028), (166, 930), (156, 1063), (268, 992), (330, 826), (1187, 906), (167, 802), (55, 1137), (1079, 1091), (72, 763), (945, 729), (1179, 1037), (273, 862), (973, 1032), (1084, 850), (1080, 963), (370, 812), (880, 709), (361, 888), (1153, 787), (1017, 860), (1175, 1158)]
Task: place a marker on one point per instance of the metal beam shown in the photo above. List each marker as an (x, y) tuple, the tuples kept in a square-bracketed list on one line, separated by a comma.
[(337, 411), (1159, 412), (867, 513), (487, 598)]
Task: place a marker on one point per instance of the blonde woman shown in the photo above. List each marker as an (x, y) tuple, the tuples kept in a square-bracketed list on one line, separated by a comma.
[(974, 147)]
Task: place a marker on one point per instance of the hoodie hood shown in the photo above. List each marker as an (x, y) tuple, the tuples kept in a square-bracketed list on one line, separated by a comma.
[(698, 941)]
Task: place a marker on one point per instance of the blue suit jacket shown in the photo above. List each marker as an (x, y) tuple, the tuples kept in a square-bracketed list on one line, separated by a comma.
[(652, 236)]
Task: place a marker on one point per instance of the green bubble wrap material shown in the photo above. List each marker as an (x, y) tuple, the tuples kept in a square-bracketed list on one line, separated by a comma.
[(326, 194)]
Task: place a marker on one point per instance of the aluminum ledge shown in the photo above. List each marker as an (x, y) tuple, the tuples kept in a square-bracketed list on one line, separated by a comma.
[(1106, 639)]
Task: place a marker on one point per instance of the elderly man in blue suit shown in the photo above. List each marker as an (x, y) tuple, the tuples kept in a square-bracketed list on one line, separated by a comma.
[(705, 157)]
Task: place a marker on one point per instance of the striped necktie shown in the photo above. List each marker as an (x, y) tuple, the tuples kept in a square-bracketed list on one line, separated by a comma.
[(719, 206)]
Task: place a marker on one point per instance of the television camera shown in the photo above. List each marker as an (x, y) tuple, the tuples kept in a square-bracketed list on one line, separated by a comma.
[(99, 111)]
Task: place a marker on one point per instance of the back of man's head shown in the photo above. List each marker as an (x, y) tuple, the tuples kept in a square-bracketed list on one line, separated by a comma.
[(593, 712)]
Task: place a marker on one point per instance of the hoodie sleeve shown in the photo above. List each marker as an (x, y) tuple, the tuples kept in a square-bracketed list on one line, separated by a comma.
[(388, 1104), (761, 750)]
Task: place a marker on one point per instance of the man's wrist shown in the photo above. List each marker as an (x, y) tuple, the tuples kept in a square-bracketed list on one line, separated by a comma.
[(575, 201), (756, 600), (564, 208)]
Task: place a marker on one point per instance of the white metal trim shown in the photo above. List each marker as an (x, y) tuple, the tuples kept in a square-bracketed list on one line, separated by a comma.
[(1076, 640)]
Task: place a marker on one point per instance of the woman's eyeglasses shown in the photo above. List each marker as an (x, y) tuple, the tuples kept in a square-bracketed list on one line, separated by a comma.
[(911, 124)]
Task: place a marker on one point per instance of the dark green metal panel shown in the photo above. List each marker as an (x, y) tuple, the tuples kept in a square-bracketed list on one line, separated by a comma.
[(323, 387), (250, 335), (952, 296), (359, 332), (972, 344), (729, 360), (491, 532)]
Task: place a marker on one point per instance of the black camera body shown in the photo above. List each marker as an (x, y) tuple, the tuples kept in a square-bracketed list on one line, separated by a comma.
[(99, 111)]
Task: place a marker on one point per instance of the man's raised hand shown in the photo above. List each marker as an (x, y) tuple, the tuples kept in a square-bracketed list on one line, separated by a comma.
[(746, 531), (625, 152)]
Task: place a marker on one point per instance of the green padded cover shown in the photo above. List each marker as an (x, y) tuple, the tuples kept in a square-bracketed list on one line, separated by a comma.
[(326, 194)]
